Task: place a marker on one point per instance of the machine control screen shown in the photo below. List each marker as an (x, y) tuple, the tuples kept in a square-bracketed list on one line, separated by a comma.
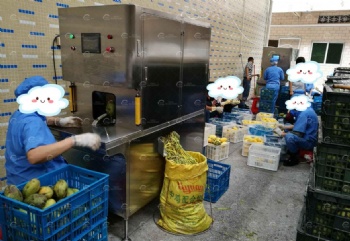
[(91, 43)]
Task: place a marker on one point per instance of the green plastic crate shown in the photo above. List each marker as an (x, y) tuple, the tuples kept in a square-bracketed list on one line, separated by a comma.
[(301, 234), (332, 168), (326, 216)]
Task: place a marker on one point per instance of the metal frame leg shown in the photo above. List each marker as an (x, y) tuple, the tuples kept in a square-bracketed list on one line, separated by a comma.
[(126, 230)]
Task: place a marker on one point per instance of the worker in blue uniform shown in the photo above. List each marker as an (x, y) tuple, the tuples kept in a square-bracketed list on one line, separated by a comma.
[(303, 135), (273, 75), (31, 149)]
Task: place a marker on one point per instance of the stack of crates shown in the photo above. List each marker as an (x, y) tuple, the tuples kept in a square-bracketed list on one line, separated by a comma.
[(336, 116), (282, 98), (326, 215), (266, 100), (342, 71)]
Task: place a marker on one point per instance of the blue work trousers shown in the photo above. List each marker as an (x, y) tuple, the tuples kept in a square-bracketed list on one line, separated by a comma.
[(276, 88), (295, 143)]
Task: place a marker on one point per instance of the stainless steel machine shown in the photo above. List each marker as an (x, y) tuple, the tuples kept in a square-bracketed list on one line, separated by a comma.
[(136, 75)]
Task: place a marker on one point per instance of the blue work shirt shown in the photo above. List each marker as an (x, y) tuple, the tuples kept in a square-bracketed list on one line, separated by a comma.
[(309, 87), (26, 132), (273, 75), (307, 123)]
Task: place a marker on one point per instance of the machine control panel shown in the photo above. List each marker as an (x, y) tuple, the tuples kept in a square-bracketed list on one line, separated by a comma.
[(91, 43)]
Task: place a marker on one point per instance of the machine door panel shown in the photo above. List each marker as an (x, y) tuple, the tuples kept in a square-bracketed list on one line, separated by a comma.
[(161, 69), (195, 67)]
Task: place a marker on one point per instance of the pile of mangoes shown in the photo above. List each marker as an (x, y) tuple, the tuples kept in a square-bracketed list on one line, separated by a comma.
[(261, 115), (250, 122), (213, 139), (268, 119), (257, 139), (40, 196), (236, 128)]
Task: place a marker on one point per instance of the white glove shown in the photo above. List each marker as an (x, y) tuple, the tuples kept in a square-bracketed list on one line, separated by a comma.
[(70, 121), (90, 140), (235, 102), (232, 102), (219, 109), (213, 108), (281, 126), (278, 131)]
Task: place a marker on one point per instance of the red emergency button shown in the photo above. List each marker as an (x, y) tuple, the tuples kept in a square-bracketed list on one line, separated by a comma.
[(110, 49), (73, 48), (109, 36)]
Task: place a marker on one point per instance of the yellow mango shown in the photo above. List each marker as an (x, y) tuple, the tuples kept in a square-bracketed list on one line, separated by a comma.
[(223, 139)]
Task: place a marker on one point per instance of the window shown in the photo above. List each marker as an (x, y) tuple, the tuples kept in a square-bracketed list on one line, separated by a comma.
[(326, 53), (273, 43)]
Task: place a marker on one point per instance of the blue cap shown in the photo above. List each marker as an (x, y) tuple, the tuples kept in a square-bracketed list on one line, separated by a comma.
[(29, 83), (273, 59)]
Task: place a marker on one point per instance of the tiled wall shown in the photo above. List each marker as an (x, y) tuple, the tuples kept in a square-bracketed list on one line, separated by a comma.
[(308, 30), (28, 27)]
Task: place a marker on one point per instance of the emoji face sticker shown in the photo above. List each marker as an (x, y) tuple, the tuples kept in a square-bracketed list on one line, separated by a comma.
[(47, 100), (307, 73), (299, 103), (228, 88)]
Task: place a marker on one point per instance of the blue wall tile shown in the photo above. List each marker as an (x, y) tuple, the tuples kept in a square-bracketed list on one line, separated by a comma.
[(6, 30), (29, 46), (8, 66), (26, 11), (37, 33), (39, 66), (62, 5)]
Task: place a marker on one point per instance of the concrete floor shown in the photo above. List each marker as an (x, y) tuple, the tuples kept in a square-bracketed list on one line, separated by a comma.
[(260, 205)]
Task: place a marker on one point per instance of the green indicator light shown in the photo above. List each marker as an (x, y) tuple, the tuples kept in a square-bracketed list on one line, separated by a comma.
[(71, 36)]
